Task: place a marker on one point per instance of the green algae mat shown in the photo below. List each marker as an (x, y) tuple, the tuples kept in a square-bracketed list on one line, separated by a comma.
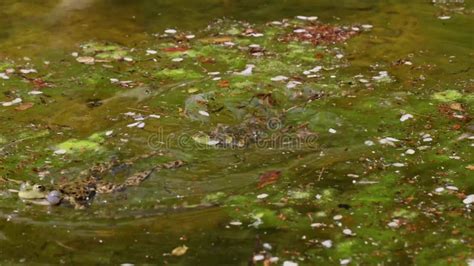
[(292, 133)]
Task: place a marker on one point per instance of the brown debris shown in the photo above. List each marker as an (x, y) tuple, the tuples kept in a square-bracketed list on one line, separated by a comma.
[(322, 34)]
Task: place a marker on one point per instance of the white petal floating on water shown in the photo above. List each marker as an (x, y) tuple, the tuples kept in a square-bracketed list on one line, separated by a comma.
[(133, 124), (171, 31), (34, 92), (453, 188), (292, 84), (469, 199), (88, 60), (444, 17), (247, 71), (344, 261), (15, 101), (398, 164), (299, 31), (236, 223), (60, 152), (347, 232), (279, 78), (204, 113), (28, 71), (369, 143), (290, 263), (262, 196), (405, 117), (327, 243), (149, 52)]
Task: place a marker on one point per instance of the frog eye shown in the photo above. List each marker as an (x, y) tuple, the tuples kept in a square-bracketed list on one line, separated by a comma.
[(38, 187)]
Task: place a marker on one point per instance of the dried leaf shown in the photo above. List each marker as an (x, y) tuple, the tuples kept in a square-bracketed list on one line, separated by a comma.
[(24, 106), (268, 178), (470, 167), (223, 83)]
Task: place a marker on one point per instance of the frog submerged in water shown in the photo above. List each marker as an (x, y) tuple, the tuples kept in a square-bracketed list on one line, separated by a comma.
[(80, 193)]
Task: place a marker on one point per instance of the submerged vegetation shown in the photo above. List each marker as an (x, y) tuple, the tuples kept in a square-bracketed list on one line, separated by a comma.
[(293, 154)]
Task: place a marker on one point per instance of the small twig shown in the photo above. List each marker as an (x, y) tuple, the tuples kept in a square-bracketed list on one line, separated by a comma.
[(321, 174)]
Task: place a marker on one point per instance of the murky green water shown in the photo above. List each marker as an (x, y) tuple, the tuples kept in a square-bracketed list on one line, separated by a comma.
[(356, 183)]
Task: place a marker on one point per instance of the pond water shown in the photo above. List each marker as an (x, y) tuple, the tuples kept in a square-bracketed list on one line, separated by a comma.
[(350, 147)]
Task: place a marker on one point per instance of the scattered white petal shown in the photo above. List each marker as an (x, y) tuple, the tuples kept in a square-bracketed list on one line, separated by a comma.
[(344, 261), (332, 131), (453, 188), (347, 232), (279, 78), (128, 59), (327, 243), (258, 257), (133, 124), (60, 152), (75, 54), (444, 17), (236, 223), (190, 36), (439, 189), (171, 31), (154, 116), (369, 143), (262, 196), (367, 26), (28, 71), (299, 31), (109, 133), (405, 117), (177, 59), (469, 199), (149, 52), (247, 71), (398, 164), (204, 113), (337, 217), (290, 263), (410, 151), (34, 92), (4, 76)]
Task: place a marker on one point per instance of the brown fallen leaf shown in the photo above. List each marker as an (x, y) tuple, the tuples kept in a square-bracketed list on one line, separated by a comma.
[(223, 83), (470, 167), (24, 106), (179, 251), (268, 178), (217, 40)]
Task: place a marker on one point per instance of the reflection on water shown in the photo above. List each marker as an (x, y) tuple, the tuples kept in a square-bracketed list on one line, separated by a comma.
[(145, 223)]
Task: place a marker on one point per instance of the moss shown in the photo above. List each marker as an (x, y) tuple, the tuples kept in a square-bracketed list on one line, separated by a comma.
[(177, 74), (447, 96)]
